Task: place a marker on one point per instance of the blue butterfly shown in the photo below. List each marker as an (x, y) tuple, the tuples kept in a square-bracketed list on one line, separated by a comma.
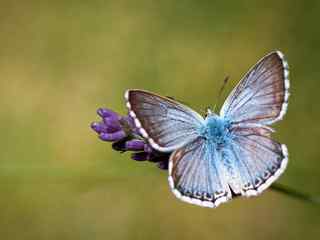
[(216, 157)]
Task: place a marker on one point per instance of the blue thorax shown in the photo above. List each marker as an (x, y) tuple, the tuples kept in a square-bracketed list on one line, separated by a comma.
[(216, 129)]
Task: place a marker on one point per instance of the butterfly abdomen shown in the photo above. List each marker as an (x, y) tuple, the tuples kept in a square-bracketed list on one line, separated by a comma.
[(216, 130)]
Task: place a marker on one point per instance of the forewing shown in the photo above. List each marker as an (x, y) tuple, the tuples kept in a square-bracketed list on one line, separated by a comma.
[(257, 161), (261, 96), (195, 175), (165, 123)]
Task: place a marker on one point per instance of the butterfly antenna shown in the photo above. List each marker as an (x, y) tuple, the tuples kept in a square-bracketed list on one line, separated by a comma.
[(203, 112), (225, 81)]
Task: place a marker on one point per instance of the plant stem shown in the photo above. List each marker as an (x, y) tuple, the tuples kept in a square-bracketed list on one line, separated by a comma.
[(295, 193)]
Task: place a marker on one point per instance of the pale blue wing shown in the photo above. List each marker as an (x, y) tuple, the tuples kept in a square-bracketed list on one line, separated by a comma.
[(196, 174), (165, 123), (254, 161), (261, 96)]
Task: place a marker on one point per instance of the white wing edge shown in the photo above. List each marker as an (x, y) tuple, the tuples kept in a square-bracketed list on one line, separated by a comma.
[(195, 201), (273, 178), (284, 106), (144, 133)]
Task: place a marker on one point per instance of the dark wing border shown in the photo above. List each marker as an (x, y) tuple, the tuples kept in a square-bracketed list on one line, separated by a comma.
[(226, 106), (139, 126), (264, 183), (215, 201)]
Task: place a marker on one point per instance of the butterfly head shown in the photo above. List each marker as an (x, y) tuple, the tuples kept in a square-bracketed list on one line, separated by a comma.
[(209, 112)]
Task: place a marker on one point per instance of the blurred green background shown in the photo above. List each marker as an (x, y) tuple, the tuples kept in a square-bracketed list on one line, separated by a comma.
[(61, 60)]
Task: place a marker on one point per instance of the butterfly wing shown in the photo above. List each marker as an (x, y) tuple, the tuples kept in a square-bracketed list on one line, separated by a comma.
[(165, 123), (196, 174), (261, 96), (254, 160)]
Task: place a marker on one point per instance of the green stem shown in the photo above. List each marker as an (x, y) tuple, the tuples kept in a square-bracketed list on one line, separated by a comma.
[(294, 193)]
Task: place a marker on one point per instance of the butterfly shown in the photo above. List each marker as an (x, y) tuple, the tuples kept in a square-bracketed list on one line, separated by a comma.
[(220, 155)]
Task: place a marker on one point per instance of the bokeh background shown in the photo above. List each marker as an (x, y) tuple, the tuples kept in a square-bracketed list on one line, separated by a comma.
[(61, 60)]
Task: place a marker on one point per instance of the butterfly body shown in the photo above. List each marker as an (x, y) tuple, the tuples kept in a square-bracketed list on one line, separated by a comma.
[(214, 157), (216, 130)]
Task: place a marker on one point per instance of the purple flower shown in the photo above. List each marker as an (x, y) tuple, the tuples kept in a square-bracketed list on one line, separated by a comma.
[(121, 131)]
